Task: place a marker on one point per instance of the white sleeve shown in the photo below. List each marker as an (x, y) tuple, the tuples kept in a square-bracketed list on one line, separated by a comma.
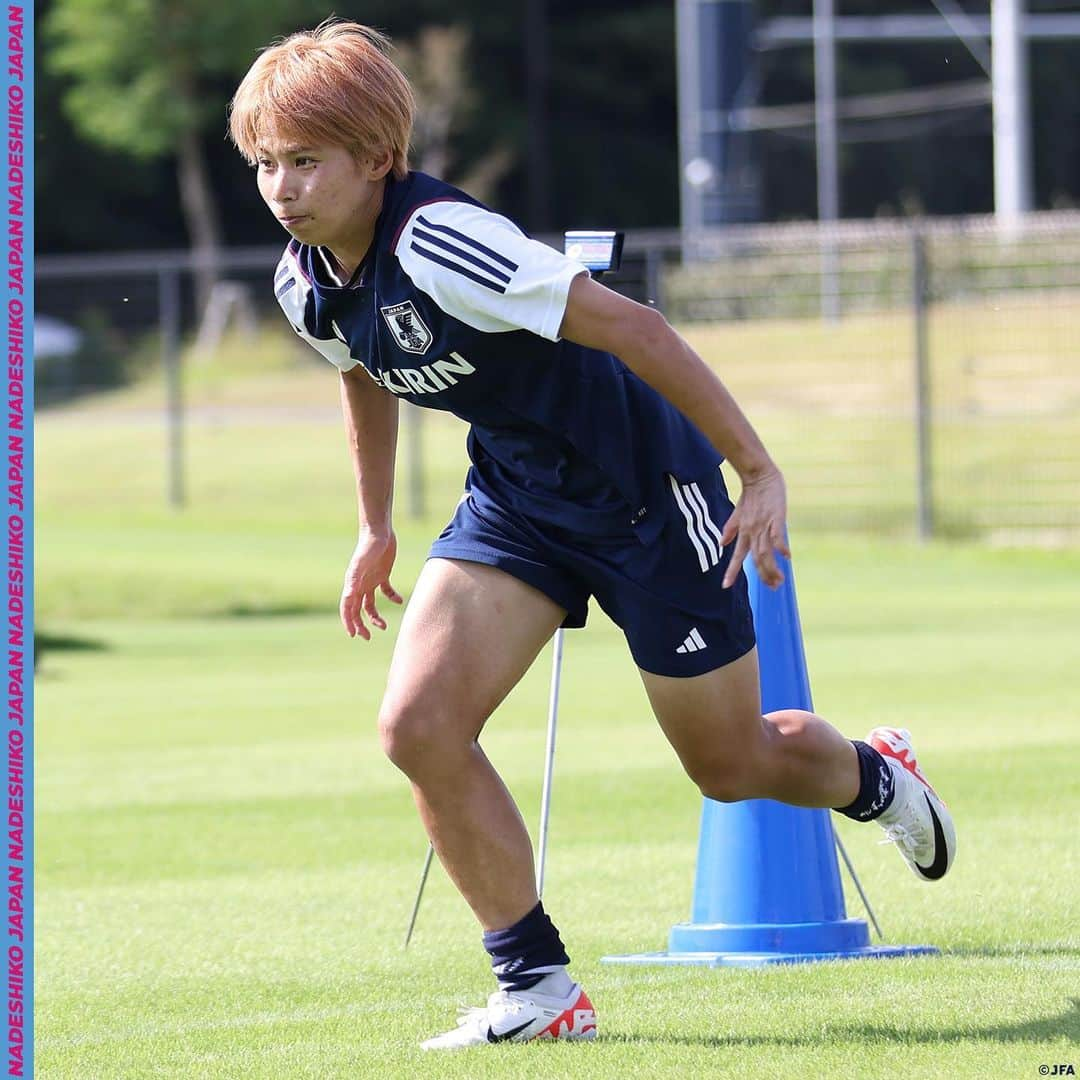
[(481, 268)]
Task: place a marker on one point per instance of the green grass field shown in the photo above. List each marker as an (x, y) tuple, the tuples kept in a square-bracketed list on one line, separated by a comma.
[(226, 863)]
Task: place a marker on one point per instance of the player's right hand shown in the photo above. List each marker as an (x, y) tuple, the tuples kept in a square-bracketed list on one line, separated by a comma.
[(758, 527), (368, 572)]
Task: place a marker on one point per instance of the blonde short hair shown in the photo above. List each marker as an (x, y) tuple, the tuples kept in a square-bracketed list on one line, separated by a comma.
[(334, 85)]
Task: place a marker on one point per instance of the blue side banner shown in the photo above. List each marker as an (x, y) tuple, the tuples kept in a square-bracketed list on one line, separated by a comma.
[(19, 448)]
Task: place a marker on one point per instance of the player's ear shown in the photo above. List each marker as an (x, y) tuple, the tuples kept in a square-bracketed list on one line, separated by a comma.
[(379, 163)]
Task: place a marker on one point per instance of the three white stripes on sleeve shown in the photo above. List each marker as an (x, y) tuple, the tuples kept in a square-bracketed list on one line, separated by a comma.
[(702, 530)]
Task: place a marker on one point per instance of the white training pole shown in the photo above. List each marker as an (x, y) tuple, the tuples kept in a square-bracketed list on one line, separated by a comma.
[(419, 894), (545, 798), (549, 762)]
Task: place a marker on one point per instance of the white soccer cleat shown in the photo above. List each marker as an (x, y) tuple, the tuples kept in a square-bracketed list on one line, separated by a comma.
[(521, 1016), (917, 821)]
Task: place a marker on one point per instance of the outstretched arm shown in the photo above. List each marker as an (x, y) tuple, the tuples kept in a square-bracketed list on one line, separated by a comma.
[(371, 422), (644, 340)]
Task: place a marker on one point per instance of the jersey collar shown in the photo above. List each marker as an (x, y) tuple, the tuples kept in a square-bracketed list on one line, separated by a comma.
[(321, 266)]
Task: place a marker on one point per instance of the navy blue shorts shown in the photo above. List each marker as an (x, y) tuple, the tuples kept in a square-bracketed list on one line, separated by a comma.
[(666, 596)]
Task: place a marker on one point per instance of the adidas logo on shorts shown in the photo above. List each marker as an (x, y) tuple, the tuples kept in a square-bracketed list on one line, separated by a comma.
[(694, 642)]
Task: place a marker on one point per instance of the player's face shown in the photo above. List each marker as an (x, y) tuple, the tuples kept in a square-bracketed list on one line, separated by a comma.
[(321, 194)]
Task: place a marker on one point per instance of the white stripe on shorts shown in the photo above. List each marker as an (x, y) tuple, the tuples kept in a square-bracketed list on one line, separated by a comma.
[(692, 519), (710, 525), (699, 518)]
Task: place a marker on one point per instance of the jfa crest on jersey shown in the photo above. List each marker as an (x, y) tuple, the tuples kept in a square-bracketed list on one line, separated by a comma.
[(455, 308), (409, 329)]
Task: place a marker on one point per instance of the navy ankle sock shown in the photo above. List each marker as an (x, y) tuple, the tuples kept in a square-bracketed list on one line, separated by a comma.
[(522, 954), (875, 785)]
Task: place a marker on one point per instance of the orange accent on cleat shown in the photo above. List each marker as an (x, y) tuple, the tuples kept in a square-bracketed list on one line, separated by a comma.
[(574, 1023), (894, 743)]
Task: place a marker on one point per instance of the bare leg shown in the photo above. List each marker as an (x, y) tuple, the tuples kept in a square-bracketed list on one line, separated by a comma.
[(469, 634), (732, 752)]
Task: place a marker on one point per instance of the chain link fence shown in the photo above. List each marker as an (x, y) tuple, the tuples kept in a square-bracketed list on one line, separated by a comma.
[(917, 377)]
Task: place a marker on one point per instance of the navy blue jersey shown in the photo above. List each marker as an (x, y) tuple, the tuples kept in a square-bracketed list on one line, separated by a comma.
[(455, 308)]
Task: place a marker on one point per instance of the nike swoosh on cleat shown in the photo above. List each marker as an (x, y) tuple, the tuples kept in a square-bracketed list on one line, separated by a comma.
[(505, 1036), (940, 864)]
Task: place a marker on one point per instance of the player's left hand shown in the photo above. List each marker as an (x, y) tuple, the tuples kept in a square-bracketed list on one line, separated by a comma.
[(757, 527)]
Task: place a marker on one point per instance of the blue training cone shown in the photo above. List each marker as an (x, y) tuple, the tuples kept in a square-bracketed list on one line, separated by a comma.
[(767, 889)]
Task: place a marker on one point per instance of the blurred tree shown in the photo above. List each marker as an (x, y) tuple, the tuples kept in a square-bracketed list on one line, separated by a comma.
[(611, 109), (78, 181), (436, 63), (140, 80)]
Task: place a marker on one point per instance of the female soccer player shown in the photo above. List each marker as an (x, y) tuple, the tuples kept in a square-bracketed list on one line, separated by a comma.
[(596, 438)]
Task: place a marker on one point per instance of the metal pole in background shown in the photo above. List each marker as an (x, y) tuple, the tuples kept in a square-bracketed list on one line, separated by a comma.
[(924, 475), (654, 281), (827, 143), (169, 315), (1012, 114)]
